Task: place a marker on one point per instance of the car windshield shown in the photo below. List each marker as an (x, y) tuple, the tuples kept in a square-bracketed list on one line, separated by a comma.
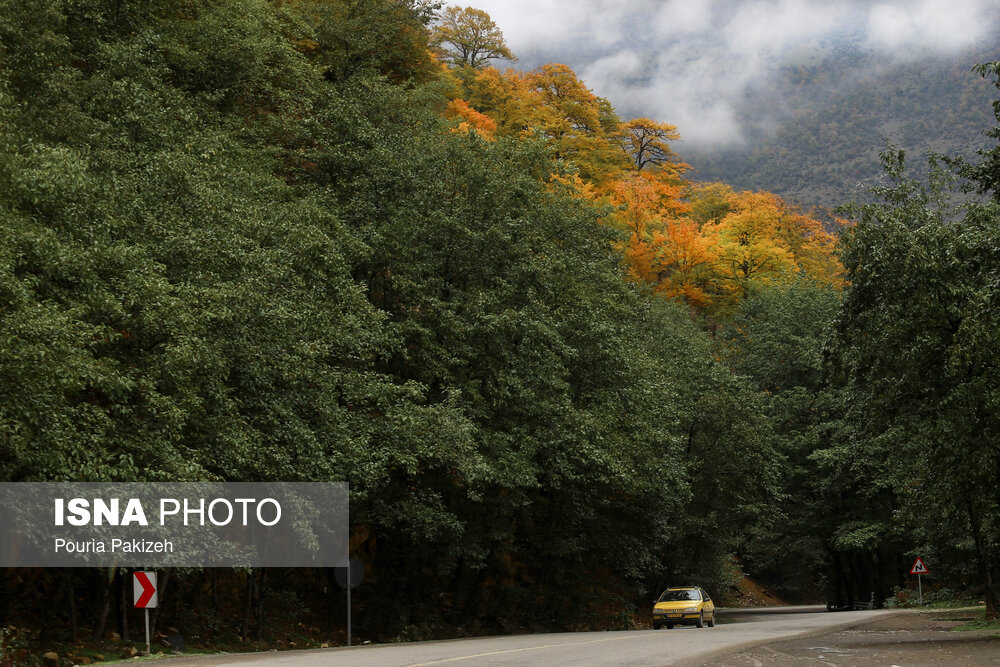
[(679, 595)]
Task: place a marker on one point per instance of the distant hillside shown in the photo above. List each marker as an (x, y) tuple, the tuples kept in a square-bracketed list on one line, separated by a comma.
[(837, 112)]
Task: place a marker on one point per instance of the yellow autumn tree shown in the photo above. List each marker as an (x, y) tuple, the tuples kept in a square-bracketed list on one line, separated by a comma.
[(710, 246), (710, 202), (762, 239), (468, 36), (503, 96), (579, 123), (550, 101), (646, 143)]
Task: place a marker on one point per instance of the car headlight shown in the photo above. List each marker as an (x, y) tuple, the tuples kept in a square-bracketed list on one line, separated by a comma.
[(690, 609)]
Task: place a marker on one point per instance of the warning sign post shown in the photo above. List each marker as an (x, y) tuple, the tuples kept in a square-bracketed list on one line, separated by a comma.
[(919, 569)]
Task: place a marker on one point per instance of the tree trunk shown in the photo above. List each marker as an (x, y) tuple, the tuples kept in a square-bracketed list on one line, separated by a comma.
[(247, 607), (865, 563), (842, 594), (215, 590), (259, 606), (5, 597), (852, 573), (102, 618), (879, 581), (123, 600), (987, 564), (71, 591), (161, 589)]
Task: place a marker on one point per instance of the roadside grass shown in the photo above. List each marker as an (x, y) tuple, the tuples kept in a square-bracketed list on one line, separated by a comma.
[(979, 622), (954, 604), (972, 617), (904, 600), (15, 648)]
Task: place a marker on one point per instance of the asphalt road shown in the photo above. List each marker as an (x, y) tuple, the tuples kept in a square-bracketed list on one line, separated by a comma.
[(681, 646)]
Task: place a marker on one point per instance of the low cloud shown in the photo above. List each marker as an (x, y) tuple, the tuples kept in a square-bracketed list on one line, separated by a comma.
[(691, 62), (940, 26), (761, 30), (682, 17)]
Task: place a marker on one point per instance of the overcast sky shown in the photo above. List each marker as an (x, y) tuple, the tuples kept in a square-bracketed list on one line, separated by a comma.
[(688, 62)]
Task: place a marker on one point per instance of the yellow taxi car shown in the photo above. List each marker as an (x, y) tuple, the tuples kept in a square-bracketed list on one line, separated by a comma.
[(684, 605)]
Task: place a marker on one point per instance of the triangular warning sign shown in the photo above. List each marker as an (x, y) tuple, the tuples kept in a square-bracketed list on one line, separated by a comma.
[(919, 567)]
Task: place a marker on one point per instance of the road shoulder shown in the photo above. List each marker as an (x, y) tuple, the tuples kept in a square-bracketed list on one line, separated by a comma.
[(906, 637)]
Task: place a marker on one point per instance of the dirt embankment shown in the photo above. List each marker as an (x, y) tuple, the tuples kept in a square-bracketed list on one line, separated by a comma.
[(748, 594), (913, 639)]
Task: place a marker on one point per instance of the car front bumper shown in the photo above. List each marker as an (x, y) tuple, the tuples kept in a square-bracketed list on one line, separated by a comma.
[(679, 617)]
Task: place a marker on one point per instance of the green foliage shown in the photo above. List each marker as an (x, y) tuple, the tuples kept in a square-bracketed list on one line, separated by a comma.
[(833, 530), (233, 248), (194, 311), (350, 37), (777, 337), (985, 175), (510, 305), (918, 341)]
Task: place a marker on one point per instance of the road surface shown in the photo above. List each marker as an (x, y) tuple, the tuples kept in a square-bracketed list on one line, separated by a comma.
[(682, 645)]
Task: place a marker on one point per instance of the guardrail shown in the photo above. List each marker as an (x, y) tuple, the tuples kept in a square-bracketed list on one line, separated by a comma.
[(852, 606)]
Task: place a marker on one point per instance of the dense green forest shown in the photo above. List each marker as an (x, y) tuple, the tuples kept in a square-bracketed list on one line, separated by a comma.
[(250, 240)]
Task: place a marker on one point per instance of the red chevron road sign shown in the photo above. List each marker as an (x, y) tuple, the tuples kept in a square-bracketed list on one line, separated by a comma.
[(144, 590)]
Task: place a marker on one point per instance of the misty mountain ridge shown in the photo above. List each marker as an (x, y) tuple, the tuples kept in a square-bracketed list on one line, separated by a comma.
[(815, 136), (804, 114)]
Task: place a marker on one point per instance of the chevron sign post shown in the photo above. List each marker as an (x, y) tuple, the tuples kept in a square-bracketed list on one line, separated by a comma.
[(144, 590), (144, 596)]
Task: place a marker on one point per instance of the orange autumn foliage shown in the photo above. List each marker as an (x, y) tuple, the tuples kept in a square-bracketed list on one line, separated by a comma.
[(705, 245), (646, 201), (751, 239), (665, 248), (683, 254), (484, 126)]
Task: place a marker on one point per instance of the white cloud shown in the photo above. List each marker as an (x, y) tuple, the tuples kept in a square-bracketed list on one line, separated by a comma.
[(613, 68), (771, 26), (531, 25), (928, 24), (679, 17)]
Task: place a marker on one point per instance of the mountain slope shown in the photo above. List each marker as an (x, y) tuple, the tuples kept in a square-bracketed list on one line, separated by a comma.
[(837, 114)]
